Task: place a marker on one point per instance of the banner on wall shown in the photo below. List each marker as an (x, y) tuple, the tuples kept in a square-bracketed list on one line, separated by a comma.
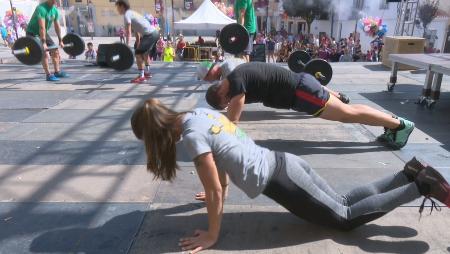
[(158, 6), (189, 5)]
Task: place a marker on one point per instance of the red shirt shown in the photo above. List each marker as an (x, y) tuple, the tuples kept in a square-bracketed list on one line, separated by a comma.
[(181, 45)]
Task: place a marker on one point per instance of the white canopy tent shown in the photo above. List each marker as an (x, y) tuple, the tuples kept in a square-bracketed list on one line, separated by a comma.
[(206, 17)]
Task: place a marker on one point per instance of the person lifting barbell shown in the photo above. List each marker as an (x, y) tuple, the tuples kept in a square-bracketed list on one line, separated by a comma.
[(43, 16), (146, 37)]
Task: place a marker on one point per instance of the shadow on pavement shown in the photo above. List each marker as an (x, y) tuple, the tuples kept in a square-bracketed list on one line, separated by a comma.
[(321, 147), (434, 123), (376, 67), (272, 115), (241, 231)]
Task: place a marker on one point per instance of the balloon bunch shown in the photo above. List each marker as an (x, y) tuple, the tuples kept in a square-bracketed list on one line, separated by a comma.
[(373, 26), (229, 11), (382, 30), (153, 20), (21, 21)]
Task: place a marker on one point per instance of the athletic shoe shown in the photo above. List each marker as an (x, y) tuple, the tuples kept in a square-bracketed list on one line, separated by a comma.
[(401, 136), (52, 77), (413, 167), (388, 136), (138, 80), (61, 74), (148, 75), (432, 184), (344, 98)]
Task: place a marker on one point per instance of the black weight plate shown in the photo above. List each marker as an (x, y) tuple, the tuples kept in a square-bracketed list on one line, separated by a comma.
[(78, 46), (297, 61), (36, 52), (319, 66), (234, 38), (126, 57)]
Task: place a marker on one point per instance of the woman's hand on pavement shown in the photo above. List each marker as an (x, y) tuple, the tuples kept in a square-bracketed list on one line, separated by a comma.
[(201, 240)]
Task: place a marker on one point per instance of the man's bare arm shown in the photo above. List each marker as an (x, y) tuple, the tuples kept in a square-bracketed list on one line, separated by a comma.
[(235, 108), (242, 17), (58, 31), (128, 34)]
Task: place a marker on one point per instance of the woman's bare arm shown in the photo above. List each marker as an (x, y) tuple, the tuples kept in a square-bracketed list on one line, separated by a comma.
[(209, 176)]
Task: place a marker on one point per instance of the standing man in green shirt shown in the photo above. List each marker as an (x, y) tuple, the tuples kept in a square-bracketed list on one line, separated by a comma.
[(244, 12), (43, 17)]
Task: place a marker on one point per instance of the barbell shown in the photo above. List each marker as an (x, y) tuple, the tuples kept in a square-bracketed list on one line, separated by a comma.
[(234, 38), (28, 50), (300, 61)]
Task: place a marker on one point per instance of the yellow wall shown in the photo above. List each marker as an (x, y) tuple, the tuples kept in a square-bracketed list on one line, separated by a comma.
[(105, 13)]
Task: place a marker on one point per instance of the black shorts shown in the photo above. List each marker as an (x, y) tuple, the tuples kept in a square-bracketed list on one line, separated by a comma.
[(310, 96), (48, 39), (148, 41)]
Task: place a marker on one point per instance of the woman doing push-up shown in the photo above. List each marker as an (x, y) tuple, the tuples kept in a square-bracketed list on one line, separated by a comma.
[(220, 150)]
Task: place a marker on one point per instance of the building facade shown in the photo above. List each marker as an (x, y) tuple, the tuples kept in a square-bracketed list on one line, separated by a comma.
[(99, 17), (344, 23)]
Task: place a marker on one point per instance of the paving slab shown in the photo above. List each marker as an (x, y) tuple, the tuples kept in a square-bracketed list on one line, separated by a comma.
[(73, 183), (33, 99), (69, 228), (270, 229), (72, 153), (17, 115), (78, 115)]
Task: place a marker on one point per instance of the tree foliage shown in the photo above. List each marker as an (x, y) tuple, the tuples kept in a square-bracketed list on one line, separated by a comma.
[(428, 11), (309, 10)]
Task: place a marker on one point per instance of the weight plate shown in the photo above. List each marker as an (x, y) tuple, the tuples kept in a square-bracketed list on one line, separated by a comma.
[(125, 56), (78, 46), (234, 38), (36, 52), (297, 61), (318, 68)]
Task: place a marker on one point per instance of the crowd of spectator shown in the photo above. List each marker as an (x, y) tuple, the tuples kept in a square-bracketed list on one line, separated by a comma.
[(279, 46)]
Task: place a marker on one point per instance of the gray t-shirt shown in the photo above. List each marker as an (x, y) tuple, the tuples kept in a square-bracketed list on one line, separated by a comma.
[(246, 163), (229, 65), (138, 23)]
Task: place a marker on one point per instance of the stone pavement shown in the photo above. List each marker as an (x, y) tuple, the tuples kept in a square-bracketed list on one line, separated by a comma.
[(73, 178)]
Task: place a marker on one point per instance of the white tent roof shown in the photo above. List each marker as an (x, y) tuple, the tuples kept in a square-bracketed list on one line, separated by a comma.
[(206, 17)]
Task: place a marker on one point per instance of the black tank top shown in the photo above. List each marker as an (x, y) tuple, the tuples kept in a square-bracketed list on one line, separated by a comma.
[(270, 84)]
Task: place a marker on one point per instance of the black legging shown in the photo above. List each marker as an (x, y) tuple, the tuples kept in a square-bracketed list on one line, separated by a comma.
[(297, 187)]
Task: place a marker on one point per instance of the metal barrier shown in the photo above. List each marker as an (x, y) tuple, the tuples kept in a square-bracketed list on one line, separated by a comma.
[(190, 53)]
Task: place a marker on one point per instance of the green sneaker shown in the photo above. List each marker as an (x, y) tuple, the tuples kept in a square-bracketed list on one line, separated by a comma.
[(387, 137), (401, 136)]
